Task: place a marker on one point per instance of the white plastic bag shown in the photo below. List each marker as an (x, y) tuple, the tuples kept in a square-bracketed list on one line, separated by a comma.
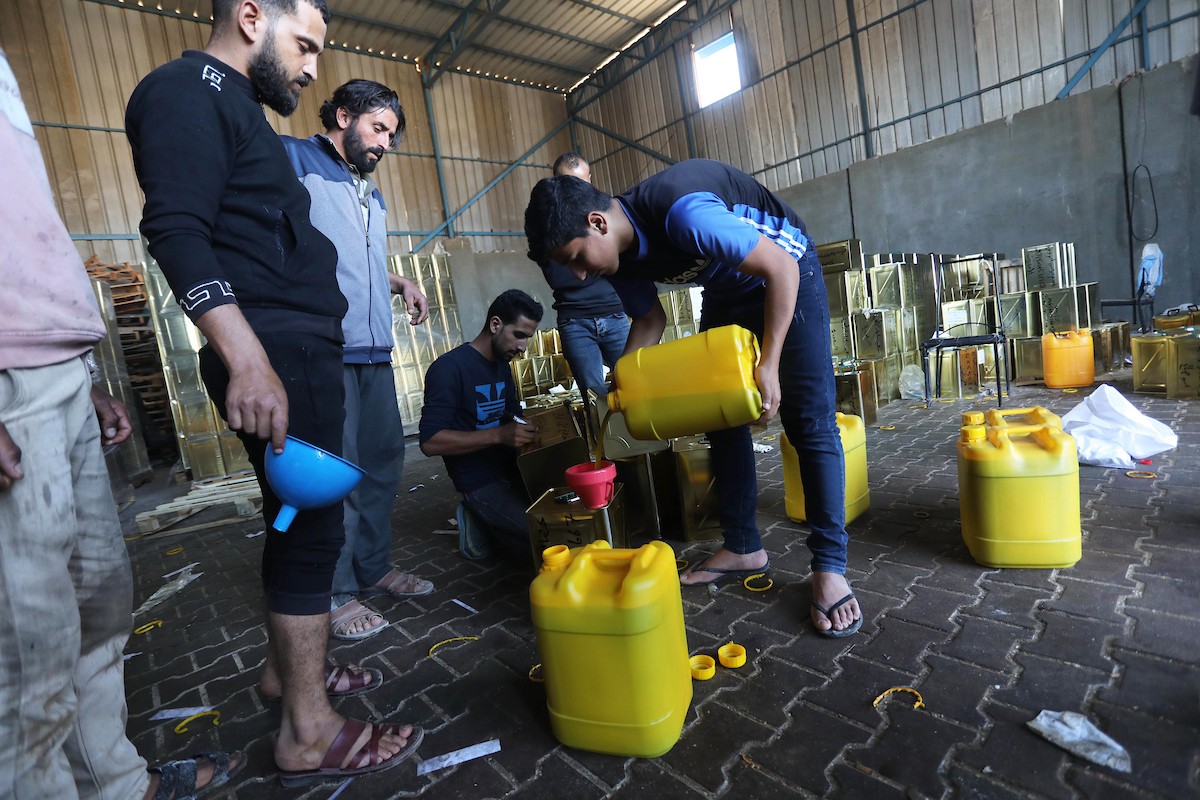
[(912, 383), (1110, 432), (1076, 734)]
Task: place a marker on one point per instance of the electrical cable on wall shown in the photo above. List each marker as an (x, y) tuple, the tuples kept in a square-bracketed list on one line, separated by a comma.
[(1149, 180)]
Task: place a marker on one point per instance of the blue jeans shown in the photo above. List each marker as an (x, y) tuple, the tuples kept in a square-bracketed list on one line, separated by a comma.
[(808, 413), (501, 506), (589, 344)]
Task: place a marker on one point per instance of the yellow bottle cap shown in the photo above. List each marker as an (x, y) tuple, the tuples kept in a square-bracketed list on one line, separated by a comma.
[(973, 433), (732, 655), (972, 418), (703, 667)]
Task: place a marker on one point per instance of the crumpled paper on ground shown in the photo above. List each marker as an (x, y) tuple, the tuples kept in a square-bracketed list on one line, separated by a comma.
[(1110, 432), (1076, 734)]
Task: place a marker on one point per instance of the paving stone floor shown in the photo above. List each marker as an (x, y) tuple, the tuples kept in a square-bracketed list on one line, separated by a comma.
[(1116, 637)]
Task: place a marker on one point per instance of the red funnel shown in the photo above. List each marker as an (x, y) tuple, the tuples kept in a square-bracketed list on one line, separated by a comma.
[(595, 487)]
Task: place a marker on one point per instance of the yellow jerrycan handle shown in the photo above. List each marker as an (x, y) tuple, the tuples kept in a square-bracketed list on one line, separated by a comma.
[(1044, 435)]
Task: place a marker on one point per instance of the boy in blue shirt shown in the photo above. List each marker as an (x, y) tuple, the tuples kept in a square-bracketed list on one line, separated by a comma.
[(707, 223)]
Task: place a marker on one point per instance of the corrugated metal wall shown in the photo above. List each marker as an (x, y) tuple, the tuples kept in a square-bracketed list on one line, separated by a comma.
[(77, 63), (929, 68)]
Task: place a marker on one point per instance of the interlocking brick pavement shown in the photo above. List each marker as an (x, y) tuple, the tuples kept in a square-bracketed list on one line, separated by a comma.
[(1113, 637)]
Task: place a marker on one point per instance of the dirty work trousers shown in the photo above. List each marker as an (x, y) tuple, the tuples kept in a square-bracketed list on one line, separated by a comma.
[(66, 595)]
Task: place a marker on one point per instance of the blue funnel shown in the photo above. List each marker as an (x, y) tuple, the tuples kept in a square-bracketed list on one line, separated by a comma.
[(304, 476)]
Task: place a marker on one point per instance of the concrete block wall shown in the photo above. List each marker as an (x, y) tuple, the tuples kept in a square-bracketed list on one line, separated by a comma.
[(1059, 172)]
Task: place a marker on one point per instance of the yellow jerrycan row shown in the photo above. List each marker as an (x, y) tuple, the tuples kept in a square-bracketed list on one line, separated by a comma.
[(614, 652), (1018, 493), (692, 385), (854, 446), (1068, 359)]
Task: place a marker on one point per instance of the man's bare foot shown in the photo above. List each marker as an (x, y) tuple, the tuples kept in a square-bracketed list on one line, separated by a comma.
[(727, 562), (827, 589), (297, 750), (204, 775)]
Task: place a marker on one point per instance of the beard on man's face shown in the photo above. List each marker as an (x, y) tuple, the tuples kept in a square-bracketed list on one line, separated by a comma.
[(357, 152), (276, 89)]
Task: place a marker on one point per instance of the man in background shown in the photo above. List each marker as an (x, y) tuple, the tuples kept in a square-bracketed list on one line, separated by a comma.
[(471, 419), (591, 319), (228, 223), (362, 120)]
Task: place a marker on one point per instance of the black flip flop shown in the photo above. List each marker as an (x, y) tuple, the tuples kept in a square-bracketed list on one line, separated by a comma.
[(844, 632), (725, 576)]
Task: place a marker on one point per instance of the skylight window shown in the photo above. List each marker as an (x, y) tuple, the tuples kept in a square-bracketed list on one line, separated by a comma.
[(717, 73)]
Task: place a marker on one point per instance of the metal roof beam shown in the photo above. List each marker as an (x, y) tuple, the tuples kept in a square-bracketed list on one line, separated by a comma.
[(458, 37), (1103, 48), (608, 11), (507, 170), (625, 141)]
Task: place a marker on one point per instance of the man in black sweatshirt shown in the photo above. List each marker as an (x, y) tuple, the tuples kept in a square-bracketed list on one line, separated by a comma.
[(229, 224)]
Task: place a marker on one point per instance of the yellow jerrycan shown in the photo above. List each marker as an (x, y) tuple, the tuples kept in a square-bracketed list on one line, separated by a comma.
[(1068, 359), (692, 385), (1009, 417), (614, 652), (1018, 494), (854, 446)]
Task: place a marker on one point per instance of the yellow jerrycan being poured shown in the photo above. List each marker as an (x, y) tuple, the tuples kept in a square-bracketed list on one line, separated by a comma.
[(1018, 494), (614, 652), (692, 385)]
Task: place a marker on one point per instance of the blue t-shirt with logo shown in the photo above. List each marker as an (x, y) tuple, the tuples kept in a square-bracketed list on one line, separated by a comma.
[(696, 222), (466, 392)]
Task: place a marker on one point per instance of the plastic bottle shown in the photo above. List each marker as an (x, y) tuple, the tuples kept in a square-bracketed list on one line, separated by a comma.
[(692, 385), (614, 651)]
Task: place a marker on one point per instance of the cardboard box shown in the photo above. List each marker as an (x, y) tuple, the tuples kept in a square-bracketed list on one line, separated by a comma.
[(553, 521)]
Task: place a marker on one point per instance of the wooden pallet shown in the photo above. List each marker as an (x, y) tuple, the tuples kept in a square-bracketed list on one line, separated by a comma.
[(230, 498)]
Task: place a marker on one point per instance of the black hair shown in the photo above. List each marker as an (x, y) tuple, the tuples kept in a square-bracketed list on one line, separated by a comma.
[(360, 96), (557, 213), (569, 160), (512, 305), (223, 9)]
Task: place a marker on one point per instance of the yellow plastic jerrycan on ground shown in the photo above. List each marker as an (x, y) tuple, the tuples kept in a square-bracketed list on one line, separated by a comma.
[(1010, 417), (692, 385), (614, 652), (854, 446), (1018, 494), (1068, 360)]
